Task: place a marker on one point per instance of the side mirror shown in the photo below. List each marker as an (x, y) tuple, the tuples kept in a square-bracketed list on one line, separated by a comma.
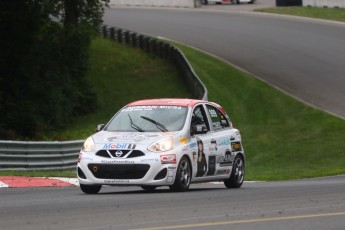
[(199, 129), (100, 127)]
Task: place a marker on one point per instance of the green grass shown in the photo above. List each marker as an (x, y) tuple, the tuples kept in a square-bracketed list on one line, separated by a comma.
[(121, 74), (66, 173), (336, 14)]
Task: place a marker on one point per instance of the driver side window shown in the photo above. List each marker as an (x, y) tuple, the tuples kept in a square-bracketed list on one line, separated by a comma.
[(199, 117)]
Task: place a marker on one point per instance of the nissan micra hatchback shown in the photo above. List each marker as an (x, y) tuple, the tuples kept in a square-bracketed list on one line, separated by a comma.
[(163, 142)]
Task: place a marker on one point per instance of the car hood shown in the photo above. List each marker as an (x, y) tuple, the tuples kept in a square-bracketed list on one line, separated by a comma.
[(105, 137)]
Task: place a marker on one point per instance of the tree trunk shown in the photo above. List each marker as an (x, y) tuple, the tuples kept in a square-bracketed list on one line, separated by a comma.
[(71, 13)]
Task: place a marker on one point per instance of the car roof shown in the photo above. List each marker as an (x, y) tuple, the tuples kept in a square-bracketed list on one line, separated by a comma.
[(167, 101)]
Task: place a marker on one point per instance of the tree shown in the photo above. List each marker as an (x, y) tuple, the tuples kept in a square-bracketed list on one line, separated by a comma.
[(43, 62)]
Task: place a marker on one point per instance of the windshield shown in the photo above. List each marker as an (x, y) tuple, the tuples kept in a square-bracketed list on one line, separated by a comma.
[(149, 119)]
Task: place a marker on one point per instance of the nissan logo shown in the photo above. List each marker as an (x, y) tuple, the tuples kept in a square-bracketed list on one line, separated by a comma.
[(118, 153)]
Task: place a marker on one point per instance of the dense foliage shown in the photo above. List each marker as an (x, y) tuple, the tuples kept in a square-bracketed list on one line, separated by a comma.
[(43, 61)]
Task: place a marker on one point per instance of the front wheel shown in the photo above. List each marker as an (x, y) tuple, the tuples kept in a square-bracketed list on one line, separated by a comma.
[(90, 189), (237, 174), (183, 176)]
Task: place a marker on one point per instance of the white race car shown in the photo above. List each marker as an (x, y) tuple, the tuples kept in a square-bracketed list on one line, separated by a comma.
[(205, 2), (163, 142)]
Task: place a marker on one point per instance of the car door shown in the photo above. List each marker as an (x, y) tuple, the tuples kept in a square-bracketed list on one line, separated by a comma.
[(221, 134), (201, 145)]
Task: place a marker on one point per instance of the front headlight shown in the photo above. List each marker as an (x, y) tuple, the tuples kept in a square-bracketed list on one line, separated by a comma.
[(163, 145), (88, 145)]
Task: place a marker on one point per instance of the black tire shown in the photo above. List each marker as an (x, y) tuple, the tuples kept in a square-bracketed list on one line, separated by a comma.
[(237, 173), (148, 187), (218, 3), (90, 189), (183, 176)]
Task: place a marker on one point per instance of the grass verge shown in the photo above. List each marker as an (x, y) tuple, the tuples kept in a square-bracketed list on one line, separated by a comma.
[(335, 14), (66, 173)]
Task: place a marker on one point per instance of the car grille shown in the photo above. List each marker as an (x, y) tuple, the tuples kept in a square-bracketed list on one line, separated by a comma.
[(117, 153), (116, 171)]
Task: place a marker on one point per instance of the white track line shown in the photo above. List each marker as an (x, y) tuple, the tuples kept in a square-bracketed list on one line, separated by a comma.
[(3, 185)]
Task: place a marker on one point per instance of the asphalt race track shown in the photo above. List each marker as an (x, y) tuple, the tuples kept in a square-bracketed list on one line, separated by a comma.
[(315, 204), (303, 57)]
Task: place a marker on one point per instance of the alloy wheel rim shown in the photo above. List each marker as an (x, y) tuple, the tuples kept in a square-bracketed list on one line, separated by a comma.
[(239, 170), (185, 173)]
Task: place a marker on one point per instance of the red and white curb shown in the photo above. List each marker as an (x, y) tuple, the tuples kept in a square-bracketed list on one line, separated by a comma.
[(25, 182)]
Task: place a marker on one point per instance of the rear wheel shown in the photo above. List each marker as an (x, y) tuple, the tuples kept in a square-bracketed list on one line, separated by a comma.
[(183, 176), (90, 189), (237, 174)]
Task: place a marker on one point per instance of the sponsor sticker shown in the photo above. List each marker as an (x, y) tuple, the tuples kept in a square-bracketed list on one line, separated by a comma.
[(192, 145), (212, 149), (223, 172), (117, 162), (139, 108), (150, 107), (149, 160), (170, 107), (84, 158), (115, 181), (131, 137), (225, 160), (212, 112), (168, 159), (119, 146), (224, 142), (236, 146), (171, 174)]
